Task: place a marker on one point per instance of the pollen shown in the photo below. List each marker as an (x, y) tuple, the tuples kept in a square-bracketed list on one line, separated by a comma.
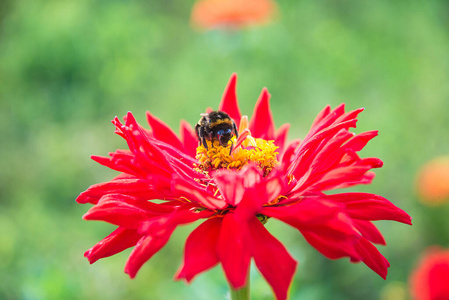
[(251, 150)]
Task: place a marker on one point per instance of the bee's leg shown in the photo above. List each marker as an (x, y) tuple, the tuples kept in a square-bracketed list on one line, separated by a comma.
[(197, 131), (232, 146), (235, 130), (211, 138), (204, 143), (201, 134), (198, 134)]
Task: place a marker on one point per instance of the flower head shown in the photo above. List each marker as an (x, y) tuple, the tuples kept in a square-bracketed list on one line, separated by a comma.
[(235, 191), (429, 279), (210, 14)]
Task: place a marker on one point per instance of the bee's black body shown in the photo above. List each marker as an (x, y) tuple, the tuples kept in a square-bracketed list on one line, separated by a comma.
[(216, 125)]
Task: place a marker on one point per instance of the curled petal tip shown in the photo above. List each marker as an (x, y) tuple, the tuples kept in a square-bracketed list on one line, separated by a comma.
[(87, 255), (85, 216), (131, 276), (378, 164), (409, 221)]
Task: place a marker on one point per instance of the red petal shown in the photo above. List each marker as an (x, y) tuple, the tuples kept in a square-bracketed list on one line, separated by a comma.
[(334, 178), (372, 257), (359, 141), (322, 223), (248, 183), (251, 204), (229, 103), (124, 176), (330, 245), (231, 185), (119, 240), (254, 198), (321, 115), (159, 232), (272, 259), (325, 119), (121, 162), (184, 214), (118, 127), (134, 187), (200, 252), (308, 212), (367, 178), (163, 132), (370, 207), (372, 162), (252, 175), (261, 124), (234, 250), (144, 250), (287, 157), (125, 211), (196, 194), (349, 115), (189, 138), (325, 157), (369, 231), (148, 155), (310, 143), (329, 154)]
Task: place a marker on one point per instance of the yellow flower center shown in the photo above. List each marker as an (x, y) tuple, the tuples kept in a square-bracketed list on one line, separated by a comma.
[(258, 151)]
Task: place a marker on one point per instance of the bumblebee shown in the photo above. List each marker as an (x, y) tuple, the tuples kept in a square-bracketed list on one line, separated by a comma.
[(216, 125)]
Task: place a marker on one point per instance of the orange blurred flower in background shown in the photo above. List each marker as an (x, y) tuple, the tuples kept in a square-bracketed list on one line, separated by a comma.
[(232, 14), (430, 278), (433, 181)]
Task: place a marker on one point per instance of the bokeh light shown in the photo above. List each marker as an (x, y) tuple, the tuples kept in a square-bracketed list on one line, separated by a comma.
[(432, 182)]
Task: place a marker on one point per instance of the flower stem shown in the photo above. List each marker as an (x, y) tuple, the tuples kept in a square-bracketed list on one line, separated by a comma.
[(242, 293)]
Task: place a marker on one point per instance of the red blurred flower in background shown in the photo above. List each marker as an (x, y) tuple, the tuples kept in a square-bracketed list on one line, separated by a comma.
[(233, 14), (433, 181), (235, 193), (429, 280)]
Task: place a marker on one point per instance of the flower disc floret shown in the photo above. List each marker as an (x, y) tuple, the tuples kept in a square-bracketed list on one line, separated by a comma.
[(258, 151)]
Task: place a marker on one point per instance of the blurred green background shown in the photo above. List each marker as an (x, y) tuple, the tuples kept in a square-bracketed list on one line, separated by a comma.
[(68, 67)]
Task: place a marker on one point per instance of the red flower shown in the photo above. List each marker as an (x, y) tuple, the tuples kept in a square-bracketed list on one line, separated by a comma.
[(235, 193), (210, 14), (429, 280)]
